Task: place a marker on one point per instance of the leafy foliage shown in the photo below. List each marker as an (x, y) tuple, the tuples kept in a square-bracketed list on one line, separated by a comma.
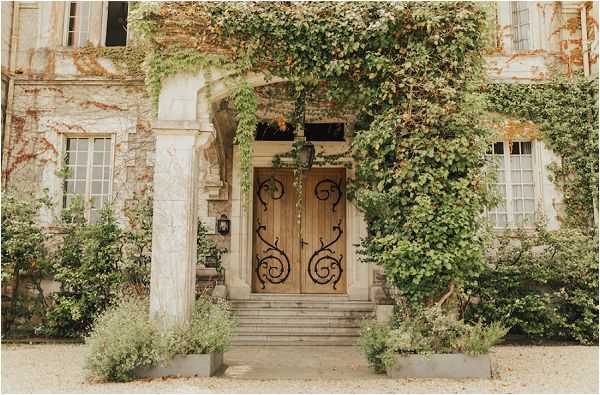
[(428, 331), (123, 338), (137, 243), (543, 285), (567, 112), (207, 247), (87, 265), (24, 258), (210, 329), (409, 70)]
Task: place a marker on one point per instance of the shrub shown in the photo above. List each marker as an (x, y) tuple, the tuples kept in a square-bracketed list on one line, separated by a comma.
[(544, 285), (123, 338), (427, 331), (24, 259), (210, 330), (137, 243), (87, 265), (372, 341), (479, 339)]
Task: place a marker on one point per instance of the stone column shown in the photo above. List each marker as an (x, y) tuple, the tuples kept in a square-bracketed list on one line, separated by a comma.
[(172, 283)]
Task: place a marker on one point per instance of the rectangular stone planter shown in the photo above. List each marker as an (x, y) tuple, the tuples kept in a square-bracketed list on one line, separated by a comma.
[(203, 365), (454, 366)]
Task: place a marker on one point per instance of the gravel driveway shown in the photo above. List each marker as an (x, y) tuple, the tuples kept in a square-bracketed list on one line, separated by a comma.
[(518, 369)]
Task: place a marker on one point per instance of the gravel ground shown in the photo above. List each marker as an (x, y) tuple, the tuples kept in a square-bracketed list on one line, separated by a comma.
[(518, 369)]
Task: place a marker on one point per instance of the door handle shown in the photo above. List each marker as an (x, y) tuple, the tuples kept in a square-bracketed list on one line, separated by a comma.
[(302, 243)]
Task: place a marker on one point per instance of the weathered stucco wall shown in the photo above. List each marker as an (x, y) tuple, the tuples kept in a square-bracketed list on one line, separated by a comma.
[(44, 114)]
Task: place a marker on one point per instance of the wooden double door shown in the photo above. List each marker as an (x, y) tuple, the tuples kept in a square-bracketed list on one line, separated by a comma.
[(306, 256)]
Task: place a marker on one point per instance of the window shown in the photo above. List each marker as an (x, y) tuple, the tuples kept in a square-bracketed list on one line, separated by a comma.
[(515, 184), (312, 131), (116, 24), (78, 23), (520, 25), (89, 165)]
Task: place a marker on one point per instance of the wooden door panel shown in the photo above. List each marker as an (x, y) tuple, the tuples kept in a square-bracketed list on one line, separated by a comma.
[(324, 232), (276, 247)]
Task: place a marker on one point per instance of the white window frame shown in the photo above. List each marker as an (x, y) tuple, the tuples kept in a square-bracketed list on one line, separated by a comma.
[(508, 197), (87, 198), (517, 27), (67, 16)]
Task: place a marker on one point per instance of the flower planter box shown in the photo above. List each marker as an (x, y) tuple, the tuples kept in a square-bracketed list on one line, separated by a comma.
[(203, 365), (455, 366)]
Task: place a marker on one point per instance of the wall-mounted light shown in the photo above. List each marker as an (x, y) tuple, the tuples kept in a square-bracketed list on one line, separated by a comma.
[(223, 225)]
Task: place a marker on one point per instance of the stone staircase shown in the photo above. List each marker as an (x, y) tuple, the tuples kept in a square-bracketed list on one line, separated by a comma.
[(283, 320)]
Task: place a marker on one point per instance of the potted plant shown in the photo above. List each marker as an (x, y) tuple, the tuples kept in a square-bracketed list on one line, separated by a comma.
[(195, 349), (431, 344), (125, 344)]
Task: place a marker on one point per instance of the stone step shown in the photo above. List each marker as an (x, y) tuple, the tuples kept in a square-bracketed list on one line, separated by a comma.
[(295, 321), (291, 304), (296, 331), (304, 341), (269, 339), (313, 313)]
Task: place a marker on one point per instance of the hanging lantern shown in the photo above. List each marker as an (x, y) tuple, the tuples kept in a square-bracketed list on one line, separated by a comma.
[(307, 155)]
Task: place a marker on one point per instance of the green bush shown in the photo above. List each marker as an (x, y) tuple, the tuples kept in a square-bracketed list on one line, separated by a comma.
[(373, 342), (123, 338), (24, 260), (428, 331), (210, 330), (544, 285), (87, 265)]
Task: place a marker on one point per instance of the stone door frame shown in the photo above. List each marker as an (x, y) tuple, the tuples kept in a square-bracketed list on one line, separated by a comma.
[(183, 126), (238, 276)]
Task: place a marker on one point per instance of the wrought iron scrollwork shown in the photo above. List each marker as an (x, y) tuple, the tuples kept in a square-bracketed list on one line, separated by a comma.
[(272, 185), (275, 266), (323, 266), (322, 192)]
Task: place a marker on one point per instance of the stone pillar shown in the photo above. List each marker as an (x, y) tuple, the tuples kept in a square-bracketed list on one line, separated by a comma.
[(172, 283)]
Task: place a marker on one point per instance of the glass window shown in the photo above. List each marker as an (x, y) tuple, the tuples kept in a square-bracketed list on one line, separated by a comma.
[(89, 167), (515, 183), (116, 24), (78, 24), (520, 25)]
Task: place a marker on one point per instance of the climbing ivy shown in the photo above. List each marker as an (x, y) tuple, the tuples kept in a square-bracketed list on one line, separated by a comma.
[(567, 111), (409, 71)]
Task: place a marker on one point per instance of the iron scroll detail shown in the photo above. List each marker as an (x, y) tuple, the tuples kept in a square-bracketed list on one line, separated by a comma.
[(275, 266), (324, 193), (272, 185), (323, 266)]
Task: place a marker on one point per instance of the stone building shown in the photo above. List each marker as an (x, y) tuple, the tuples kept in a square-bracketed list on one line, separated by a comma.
[(60, 98)]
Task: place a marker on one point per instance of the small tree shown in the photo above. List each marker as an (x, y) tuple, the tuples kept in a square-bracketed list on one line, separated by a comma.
[(87, 266), (24, 255)]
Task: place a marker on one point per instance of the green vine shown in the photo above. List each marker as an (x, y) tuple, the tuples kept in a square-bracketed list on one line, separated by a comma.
[(244, 100), (567, 112), (410, 72)]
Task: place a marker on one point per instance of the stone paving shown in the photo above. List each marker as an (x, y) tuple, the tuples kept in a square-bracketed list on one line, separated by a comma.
[(518, 369)]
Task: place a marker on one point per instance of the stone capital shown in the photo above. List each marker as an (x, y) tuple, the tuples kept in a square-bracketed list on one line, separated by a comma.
[(182, 128)]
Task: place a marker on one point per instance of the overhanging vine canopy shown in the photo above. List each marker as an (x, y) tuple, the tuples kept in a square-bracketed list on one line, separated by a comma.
[(409, 71)]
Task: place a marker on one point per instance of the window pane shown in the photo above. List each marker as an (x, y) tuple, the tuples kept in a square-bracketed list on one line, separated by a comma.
[(97, 172), (516, 176), (499, 148), (526, 147), (527, 176), (528, 191), (515, 150)]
